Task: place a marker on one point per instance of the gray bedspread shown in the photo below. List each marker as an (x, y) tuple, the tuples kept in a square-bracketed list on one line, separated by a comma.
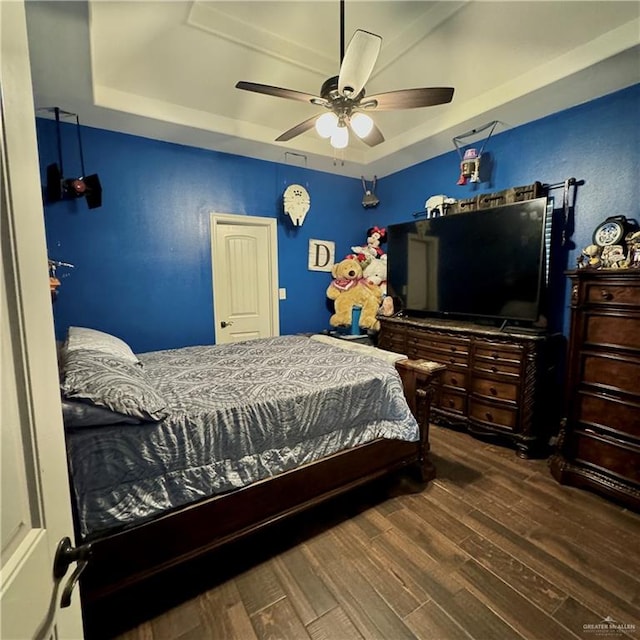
[(238, 413)]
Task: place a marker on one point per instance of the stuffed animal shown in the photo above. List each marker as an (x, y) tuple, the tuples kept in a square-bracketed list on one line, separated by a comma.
[(376, 273), (375, 237), (349, 289)]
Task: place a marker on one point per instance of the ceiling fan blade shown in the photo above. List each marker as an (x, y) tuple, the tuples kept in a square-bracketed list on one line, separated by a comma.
[(297, 130), (373, 138), (408, 99), (279, 92), (359, 60)]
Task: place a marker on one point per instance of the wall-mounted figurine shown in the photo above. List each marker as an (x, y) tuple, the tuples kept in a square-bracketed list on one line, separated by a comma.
[(370, 199), (296, 202), (470, 158)]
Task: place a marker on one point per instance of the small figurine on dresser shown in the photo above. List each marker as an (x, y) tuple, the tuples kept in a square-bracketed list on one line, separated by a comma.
[(613, 257), (633, 245), (608, 250), (590, 257)]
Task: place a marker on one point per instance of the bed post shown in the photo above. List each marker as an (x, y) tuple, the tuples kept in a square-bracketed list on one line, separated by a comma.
[(420, 379)]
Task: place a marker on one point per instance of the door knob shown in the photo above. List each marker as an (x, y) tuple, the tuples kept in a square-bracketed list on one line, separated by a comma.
[(224, 324), (66, 554)]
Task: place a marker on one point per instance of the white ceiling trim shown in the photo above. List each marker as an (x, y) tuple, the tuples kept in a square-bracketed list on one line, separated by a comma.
[(173, 114), (204, 17), (417, 31)]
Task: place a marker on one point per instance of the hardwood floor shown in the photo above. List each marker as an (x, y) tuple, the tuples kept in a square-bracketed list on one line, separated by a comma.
[(493, 548)]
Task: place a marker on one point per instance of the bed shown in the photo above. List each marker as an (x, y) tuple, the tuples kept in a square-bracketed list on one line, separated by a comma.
[(175, 454)]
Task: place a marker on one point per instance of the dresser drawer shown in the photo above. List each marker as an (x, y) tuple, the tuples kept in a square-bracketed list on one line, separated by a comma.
[(393, 338), (612, 330), (436, 342), (450, 358), (495, 351), (611, 371), (507, 391), (395, 343), (612, 294), (496, 416), (454, 378), (497, 358), (507, 368), (609, 413), (607, 454), (452, 402)]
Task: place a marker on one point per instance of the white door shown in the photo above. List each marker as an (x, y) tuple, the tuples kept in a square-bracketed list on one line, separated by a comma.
[(35, 510), (244, 259)]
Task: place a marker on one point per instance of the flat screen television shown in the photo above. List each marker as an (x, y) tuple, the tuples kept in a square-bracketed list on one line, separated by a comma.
[(487, 264)]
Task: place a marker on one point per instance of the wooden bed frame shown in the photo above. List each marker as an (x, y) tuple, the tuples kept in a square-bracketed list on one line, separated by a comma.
[(125, 564)]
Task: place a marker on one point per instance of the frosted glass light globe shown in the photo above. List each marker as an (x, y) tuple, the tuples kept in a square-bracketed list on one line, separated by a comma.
[(326, 124), (362, 124), (340, 138)]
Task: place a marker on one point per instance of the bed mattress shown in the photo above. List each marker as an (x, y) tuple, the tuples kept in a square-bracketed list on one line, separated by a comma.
[(238, 413)]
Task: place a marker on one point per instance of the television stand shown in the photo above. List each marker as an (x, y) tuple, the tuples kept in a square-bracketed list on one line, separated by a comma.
[(497, 383)]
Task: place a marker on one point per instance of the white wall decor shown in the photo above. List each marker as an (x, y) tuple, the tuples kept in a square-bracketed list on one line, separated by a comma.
[(296, 202), (321, 255)]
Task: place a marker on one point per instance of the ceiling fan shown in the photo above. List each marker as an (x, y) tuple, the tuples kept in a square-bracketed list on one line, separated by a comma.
[(344, 98)]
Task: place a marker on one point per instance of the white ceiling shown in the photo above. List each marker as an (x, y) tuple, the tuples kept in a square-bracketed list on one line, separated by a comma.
[(168, 70)]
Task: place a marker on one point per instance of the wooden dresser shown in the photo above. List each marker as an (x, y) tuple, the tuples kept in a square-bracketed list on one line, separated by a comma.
[(599, 443), (497, 383)]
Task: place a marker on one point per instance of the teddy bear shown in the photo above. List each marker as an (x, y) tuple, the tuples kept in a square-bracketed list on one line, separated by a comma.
[(376, 273), (348, 289)]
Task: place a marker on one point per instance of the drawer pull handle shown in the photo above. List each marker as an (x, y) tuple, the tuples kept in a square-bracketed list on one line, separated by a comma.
[(453, 349), (494, 369), (452, 360), (454, 382), (494, 391), (489, 417), (606, 295), (451, 403), (494, 355)]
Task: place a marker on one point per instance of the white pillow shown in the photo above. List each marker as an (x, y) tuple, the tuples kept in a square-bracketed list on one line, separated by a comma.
[(81, 338)]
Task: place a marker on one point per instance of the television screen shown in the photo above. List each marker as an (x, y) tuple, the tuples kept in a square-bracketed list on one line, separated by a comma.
[(488, 263)]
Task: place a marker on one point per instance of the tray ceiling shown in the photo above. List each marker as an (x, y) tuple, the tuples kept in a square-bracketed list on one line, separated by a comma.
[(168, 70)]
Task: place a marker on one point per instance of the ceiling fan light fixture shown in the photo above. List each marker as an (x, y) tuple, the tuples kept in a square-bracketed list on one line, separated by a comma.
[(362, 124), (340, 137), (326, 124)]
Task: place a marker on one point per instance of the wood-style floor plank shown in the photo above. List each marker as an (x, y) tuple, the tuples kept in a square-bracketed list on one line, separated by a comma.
[(334, 624), (528, 583), (431, 621), (512, 606), (492, 548), (310, 596)]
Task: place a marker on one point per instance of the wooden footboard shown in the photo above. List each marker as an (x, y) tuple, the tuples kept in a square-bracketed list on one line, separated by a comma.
[(124, 562)]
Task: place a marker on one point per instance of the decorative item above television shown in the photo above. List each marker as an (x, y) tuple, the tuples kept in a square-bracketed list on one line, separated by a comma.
[(488, 264)]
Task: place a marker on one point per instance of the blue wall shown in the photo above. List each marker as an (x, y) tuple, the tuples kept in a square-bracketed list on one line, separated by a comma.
[(143, 263), (598, 142), (143, 266)]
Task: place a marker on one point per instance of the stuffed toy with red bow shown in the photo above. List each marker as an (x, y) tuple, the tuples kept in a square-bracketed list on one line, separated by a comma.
[(349, 288), (376, 236)]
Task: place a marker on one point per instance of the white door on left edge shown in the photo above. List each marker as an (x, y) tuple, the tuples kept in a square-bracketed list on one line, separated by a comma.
[(245, 277), (36, 510)]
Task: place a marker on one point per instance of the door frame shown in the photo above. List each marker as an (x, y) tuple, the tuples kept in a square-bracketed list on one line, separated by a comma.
[(271, 224)]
